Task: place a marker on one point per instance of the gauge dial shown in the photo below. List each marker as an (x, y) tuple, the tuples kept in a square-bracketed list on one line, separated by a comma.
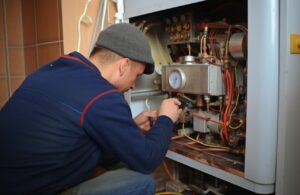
[(177, 79)]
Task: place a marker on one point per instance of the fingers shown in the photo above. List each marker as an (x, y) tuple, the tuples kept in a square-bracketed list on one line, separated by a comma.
[(145, 127), (179, 110), (170, 107), (152, 114), (176, 101)]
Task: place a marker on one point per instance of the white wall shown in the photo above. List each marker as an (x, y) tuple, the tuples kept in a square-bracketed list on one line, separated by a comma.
[(288, 156), (71, 12)]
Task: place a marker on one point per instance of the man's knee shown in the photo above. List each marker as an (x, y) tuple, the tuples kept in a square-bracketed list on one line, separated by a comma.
[(120, 181), (149, 184), (140, 183)]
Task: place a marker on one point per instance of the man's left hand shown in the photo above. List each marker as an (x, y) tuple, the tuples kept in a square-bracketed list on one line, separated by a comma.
[(145, 119)]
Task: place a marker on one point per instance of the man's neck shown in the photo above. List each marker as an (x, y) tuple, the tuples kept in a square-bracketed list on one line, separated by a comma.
[(107, 71)]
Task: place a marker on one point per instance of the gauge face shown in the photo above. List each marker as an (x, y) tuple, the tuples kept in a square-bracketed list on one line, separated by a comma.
[(177, 79)]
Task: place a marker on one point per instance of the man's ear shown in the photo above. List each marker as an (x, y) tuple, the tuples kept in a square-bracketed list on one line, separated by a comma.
[(123, 65)]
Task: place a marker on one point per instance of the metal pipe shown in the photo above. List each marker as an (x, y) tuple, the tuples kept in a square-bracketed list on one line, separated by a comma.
[(104, 8)]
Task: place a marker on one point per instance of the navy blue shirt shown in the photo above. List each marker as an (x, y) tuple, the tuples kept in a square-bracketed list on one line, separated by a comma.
[(63, 121)]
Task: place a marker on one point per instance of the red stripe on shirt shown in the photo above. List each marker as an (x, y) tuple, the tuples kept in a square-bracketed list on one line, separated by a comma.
[(91, 102)]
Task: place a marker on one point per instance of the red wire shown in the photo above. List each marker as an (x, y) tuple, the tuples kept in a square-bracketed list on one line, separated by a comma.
[(228, 76), (168, 171), (206, 119)]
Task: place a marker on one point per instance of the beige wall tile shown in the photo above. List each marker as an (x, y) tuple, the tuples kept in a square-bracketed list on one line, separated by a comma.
[(71, 12), (3, 90), (16, 62), (30, 60), (47, 20), (2, 58), (47, 53), (1, 13), (29, 28), (2, 43), (15, 83), (2, 102), (60, 20), (62, 49), (14, 22), (1, 21), (2, 61)]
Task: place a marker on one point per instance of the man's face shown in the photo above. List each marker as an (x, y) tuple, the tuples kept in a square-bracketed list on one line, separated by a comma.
[(134, 70)]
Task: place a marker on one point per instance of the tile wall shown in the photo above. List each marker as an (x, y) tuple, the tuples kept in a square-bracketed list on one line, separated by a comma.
[(30, 36), (3, 71)]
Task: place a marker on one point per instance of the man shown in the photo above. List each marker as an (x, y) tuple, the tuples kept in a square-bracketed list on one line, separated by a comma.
[(70, 116)]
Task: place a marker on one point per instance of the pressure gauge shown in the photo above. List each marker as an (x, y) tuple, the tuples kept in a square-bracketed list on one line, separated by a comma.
[(177, 79)]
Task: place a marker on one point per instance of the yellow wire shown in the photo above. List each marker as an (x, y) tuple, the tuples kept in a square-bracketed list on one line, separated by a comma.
[(236, 103), (168, 193), (207, 145), (234, 128)]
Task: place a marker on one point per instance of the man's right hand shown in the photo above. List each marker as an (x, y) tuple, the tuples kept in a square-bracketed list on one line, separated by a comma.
[(170, 107)]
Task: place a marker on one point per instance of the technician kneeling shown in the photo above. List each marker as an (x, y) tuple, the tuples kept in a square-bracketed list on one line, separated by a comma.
[(70, 116)]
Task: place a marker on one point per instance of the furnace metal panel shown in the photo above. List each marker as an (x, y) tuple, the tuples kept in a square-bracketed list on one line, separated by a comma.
[(137, 8), (262, 91)]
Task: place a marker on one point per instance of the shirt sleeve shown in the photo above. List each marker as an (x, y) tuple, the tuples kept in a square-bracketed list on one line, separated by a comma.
[(109, 123)]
